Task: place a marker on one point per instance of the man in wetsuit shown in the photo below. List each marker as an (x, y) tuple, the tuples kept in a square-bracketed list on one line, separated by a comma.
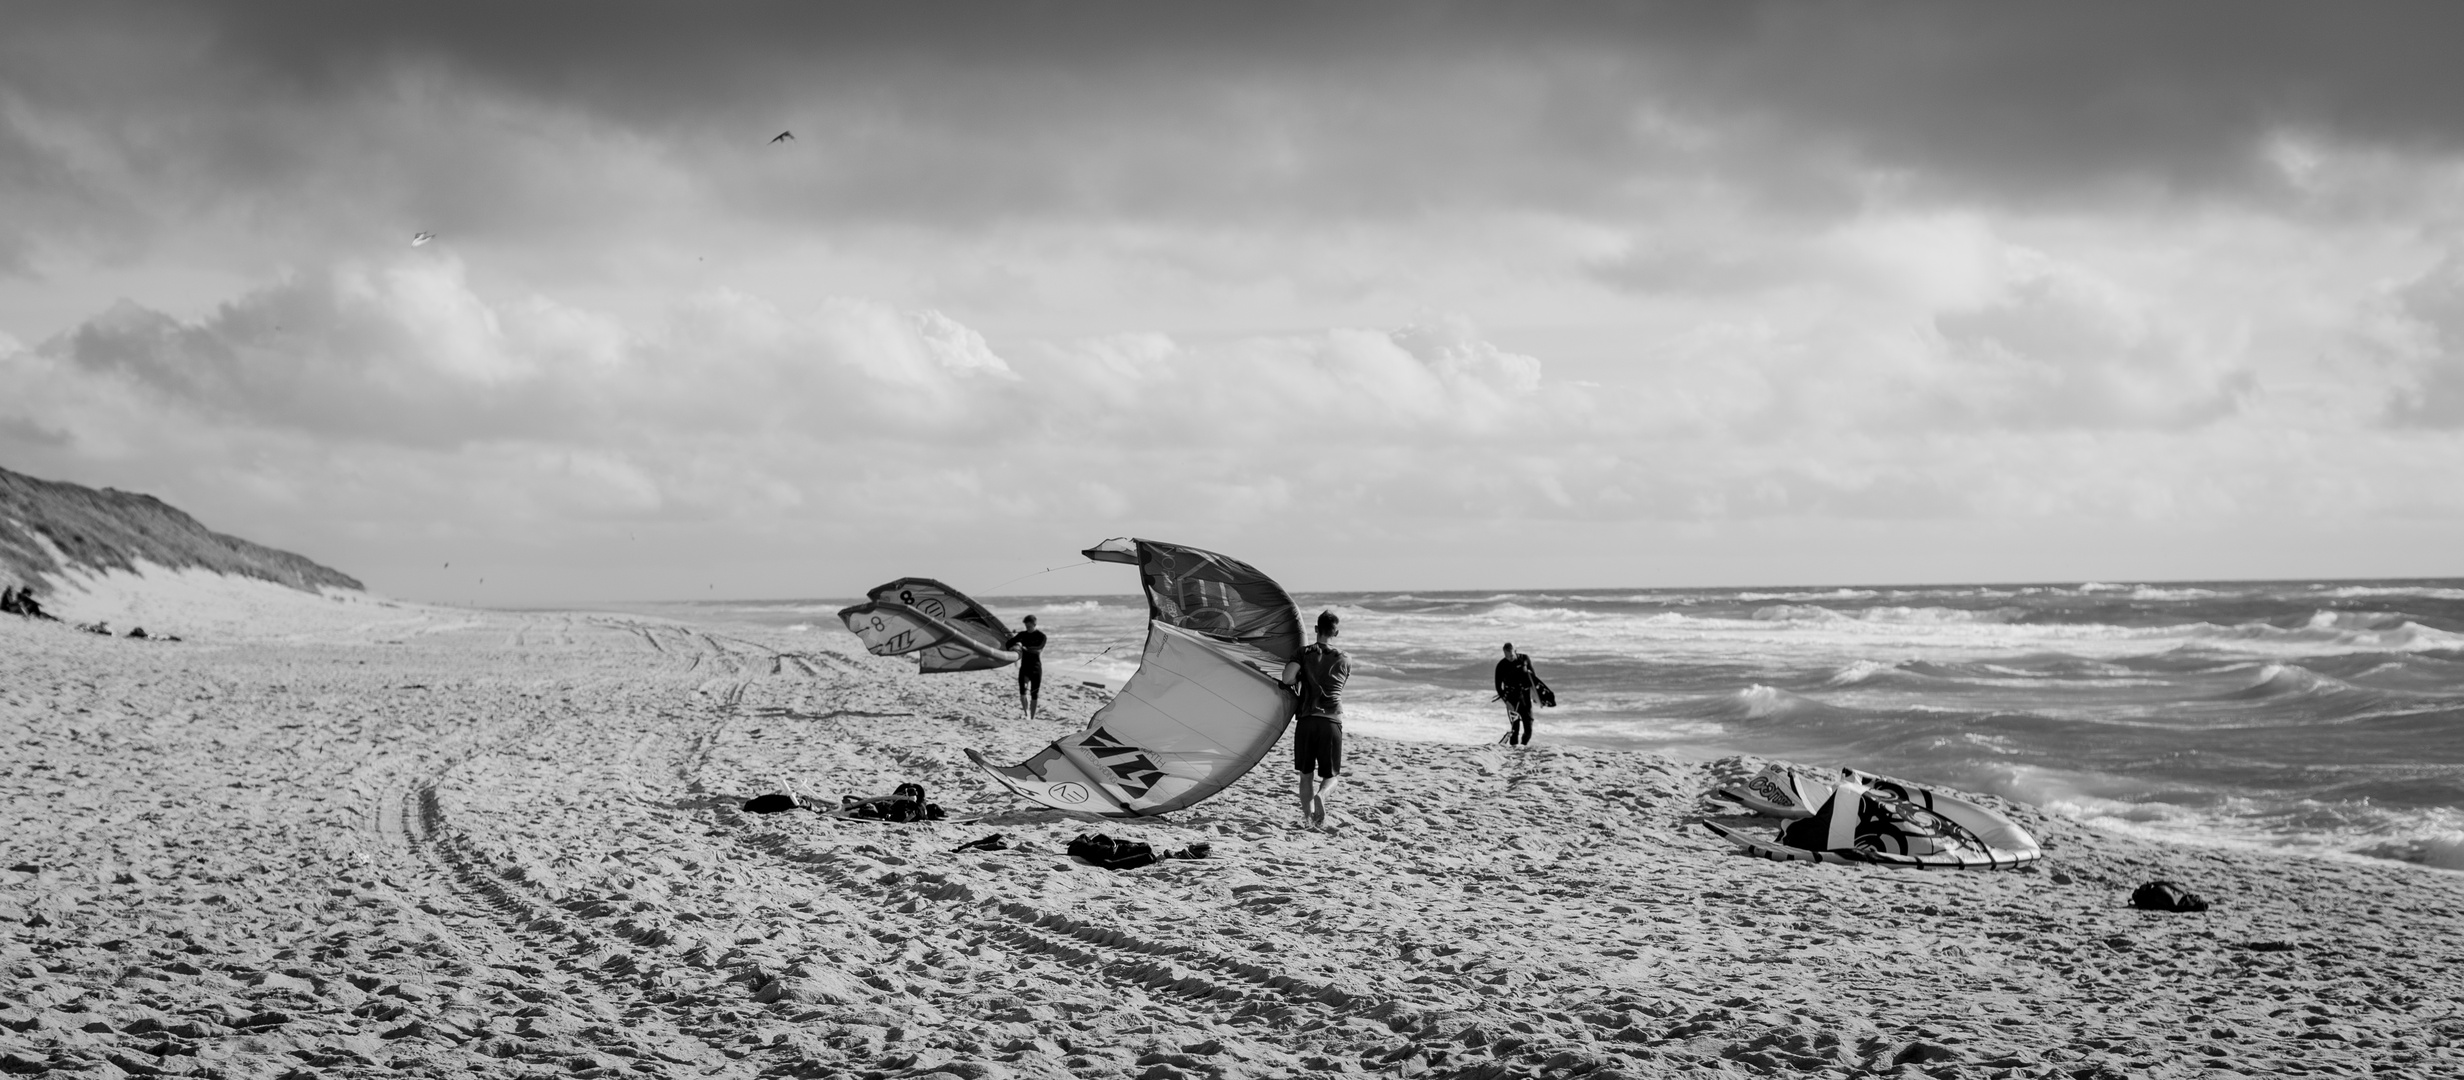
[(1029, 644), (1317, 678), (1514, 685)]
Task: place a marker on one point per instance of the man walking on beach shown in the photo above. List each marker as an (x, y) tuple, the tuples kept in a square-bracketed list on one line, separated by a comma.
[(1515, 681), (1317, 678), (1029, 644)]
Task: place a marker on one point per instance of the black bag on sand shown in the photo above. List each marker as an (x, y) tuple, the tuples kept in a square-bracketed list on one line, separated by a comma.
[(2166, 896), (904, 803), (989, 843), (769, 804), (1113, 853)]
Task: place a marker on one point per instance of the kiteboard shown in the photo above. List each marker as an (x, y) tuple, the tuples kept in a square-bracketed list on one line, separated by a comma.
[(1878, 820), (842, 815)]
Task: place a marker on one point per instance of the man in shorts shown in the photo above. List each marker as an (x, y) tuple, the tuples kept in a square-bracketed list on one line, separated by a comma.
[(1029, 644), (1317, 677)]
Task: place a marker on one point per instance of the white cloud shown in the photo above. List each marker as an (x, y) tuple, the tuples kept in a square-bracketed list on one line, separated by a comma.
[(2061, 348), (406, 377), (2427, 336), (381, 414)]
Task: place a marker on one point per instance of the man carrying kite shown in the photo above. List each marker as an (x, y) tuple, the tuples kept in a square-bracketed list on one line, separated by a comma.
[(1317, 677), (1029, 644)]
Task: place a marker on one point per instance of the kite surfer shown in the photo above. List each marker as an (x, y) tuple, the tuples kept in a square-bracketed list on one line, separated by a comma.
[(1029, 644), (1317, 676), (1515, 683)]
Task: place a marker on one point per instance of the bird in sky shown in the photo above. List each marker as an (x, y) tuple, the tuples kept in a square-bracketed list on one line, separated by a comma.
[(784, 136), (419, 238)]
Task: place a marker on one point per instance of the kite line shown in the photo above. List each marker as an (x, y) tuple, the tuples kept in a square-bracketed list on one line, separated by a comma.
[(1040, 573)]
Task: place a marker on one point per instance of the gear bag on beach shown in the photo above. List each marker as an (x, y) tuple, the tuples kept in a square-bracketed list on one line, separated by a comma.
[(769, 804), (903, 803), (2166, 896), (1114, 853)]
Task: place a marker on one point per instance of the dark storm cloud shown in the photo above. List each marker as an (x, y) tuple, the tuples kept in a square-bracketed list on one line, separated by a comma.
[(952, 113)]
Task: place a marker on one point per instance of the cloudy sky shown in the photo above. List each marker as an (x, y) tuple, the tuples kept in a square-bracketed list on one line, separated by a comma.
[(1374, 296)]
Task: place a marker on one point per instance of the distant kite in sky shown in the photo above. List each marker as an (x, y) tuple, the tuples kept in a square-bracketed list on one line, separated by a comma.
[(784, 136), (421, 238)]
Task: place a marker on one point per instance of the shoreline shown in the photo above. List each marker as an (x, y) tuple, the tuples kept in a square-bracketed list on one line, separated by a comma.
[(393, 836), (2214, 718), (2250, 845)]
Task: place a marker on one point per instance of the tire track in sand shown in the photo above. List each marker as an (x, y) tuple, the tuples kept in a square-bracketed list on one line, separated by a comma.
[(492, 916)]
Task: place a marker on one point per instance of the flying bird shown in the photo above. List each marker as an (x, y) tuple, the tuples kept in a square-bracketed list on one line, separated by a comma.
[(784, 136), (419, 238)]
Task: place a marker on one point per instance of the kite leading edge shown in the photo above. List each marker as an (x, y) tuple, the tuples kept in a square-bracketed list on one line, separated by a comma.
[(945, 628)]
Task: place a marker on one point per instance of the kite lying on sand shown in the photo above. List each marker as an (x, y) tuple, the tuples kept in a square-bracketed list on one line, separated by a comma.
[(947, 630), (1778, 792), (1875, 819), (1206, 703)]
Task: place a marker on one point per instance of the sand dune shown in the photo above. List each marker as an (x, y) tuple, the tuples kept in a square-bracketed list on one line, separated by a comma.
[(340, 838)]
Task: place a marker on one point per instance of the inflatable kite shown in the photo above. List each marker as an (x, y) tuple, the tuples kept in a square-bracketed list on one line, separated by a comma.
[(1206, 703), (944, 628), (1780, 793), (1875, 819)]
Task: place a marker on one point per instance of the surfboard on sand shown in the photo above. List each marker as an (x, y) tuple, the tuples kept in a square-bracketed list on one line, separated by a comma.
[(1875, 819)]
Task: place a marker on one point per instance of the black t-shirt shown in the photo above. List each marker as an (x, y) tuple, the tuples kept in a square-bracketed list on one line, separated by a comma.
[(1324, 671)]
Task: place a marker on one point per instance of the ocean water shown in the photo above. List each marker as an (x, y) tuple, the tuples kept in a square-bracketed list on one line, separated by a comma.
[(2324, 717)]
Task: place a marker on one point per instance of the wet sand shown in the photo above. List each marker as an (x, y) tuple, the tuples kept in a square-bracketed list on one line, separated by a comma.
[(327, 837)]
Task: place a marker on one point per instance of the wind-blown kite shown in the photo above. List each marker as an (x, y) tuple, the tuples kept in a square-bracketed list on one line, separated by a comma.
[(1206, 703), (947, 630)]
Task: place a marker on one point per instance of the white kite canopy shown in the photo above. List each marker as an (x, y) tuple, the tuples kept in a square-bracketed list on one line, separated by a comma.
[(1206, 703), (1874, 819), (945, 628)]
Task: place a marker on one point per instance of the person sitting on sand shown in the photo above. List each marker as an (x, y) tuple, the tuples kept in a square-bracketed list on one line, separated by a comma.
[(1029, 644), (1515, 680), (8, 600), (1317, 677)]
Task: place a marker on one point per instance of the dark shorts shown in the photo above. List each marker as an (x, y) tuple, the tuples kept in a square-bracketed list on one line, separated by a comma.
[(1317, 746), (1031, 670)]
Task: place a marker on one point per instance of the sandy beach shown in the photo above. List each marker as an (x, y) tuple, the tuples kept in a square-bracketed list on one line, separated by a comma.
[(347, 837)]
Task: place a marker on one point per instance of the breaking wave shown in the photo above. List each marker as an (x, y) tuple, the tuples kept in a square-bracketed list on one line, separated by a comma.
[(1901, 615)]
